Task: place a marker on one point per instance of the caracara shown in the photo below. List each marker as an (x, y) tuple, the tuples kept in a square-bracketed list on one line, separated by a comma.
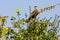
[(33, 14)]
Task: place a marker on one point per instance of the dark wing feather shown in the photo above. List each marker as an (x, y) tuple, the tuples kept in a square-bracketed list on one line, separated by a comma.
[(32, 15)]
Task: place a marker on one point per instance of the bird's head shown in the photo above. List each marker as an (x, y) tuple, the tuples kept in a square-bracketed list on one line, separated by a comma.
[(35, 7)]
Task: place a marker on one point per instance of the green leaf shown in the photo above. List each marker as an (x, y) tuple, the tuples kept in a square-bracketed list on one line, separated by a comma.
[(22, 21), (15, 24), (13, 31)]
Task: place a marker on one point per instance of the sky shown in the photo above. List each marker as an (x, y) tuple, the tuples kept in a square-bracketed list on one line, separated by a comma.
[(7, 8)]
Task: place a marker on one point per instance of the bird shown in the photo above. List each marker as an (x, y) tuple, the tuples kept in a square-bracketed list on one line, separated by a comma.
[(36, 11), (33, 14)]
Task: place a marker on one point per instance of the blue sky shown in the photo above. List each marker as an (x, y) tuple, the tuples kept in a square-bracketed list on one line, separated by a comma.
[(7, 7)]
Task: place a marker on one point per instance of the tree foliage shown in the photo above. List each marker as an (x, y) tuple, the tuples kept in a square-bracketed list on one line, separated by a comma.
[(37, 29)]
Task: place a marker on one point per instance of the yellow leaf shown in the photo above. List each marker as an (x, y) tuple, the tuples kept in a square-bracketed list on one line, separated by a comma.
[(17, 10), (47, 9), (41, 10), (5, 31), (0, 19)]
